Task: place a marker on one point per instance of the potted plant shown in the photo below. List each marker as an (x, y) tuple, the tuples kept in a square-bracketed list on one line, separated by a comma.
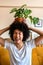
[(22, 13)]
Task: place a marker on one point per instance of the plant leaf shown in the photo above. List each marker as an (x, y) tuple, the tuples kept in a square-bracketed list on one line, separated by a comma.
[(35, 20), (30, 17), (23, 6), (27, 12), (13, 10)]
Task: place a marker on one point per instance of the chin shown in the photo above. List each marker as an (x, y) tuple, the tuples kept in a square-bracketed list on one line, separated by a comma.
[(18, 42)]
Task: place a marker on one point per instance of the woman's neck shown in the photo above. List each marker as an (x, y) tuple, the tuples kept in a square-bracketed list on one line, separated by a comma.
[(19, 45)]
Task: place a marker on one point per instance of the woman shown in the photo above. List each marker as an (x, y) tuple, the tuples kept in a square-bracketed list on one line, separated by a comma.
[(20, 50)]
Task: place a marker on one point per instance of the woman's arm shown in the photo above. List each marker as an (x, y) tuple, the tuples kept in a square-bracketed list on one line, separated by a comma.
[(36, 30), (4, 30), (2, 41), (38, 39)]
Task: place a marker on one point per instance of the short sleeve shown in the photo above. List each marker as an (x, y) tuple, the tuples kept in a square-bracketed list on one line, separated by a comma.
[(31, 43), (7, 44)]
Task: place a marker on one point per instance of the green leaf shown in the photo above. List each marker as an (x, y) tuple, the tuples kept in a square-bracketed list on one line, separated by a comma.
[(22, 6), (27, 12), (30, 17), (13, 10), (35, 20)]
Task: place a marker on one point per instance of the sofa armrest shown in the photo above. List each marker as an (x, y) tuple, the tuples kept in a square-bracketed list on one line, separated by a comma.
[(37, 56), (4, 56)]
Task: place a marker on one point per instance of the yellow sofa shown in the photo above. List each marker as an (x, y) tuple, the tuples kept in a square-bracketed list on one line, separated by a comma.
[(4, 56), (37, 56)]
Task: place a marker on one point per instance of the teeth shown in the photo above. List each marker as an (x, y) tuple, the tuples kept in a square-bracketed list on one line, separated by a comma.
[(17, 39)]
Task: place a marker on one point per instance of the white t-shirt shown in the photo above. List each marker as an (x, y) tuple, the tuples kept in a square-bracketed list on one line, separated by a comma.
[(22, 56)]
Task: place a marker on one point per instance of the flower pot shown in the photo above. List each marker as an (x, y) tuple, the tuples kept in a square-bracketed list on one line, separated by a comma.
[(20, 19)]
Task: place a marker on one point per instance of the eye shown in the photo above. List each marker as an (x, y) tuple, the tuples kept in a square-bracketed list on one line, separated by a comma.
[(20, 33)]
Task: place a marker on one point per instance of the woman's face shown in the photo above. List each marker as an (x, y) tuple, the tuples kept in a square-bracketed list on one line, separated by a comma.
[(18, 36)]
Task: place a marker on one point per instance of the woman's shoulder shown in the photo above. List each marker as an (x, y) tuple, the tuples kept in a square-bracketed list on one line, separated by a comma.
[(8, 43), (30, 43)]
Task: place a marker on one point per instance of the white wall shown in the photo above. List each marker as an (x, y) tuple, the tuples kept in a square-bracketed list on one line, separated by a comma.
[(6, 5), (20, 2)]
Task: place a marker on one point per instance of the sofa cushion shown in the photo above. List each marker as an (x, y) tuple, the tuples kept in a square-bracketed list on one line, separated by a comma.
[(37, 56), (4, 56)]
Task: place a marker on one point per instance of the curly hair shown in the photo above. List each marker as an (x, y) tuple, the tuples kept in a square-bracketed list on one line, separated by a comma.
[(20, 26)]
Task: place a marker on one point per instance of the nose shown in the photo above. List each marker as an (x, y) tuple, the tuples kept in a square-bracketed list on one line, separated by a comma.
[(17, 35)]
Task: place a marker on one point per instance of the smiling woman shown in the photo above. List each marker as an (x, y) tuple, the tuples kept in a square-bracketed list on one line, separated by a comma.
[(20, 50)]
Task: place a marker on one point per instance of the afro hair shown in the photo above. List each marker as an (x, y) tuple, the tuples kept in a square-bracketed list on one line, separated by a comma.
[(20, 26)]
